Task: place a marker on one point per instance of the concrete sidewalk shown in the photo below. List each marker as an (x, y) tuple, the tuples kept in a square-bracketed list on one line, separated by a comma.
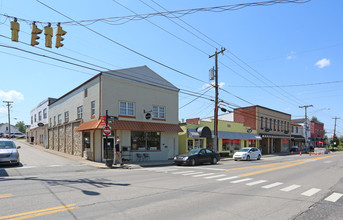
[(127, 164)]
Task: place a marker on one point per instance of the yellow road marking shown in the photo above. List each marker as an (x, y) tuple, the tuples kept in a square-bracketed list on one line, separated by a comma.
[(41, 211), (5, 195), (282, 167), (44, 213), (263, 165)]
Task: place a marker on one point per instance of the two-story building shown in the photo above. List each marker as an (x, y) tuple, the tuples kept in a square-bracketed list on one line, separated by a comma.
[(232, 136), (273, 126), (39, 123), (145, 104), (298, 133), (317, 134)]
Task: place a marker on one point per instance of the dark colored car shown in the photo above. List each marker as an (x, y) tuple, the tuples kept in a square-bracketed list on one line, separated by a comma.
[(197, 156)]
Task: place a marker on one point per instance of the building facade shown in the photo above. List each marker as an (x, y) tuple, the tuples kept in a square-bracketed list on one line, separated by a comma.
[(317, 134), (232, 136), (145, 110), (5, 129), (299, 138), (39, 123), (273, 126)]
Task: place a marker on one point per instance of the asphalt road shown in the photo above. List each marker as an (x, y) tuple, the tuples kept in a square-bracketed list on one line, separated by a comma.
[(47, 186)]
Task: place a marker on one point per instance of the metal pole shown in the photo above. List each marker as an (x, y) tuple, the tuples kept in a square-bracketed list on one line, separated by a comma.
[(306, 106), (334, 131), (9, 117)]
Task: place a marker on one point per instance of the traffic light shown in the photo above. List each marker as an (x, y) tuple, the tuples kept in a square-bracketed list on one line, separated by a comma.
[(59, 33), (34, 34), (15, 30), (48, 32)]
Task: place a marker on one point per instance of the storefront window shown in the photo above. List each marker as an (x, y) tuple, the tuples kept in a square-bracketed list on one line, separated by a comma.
[(252, 143), (231, 145), (190, 145), (210, 143), (141, 140), (86, 140), (198, 143)]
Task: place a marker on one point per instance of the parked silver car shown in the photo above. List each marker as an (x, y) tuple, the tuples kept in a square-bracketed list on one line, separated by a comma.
[(8, 152)]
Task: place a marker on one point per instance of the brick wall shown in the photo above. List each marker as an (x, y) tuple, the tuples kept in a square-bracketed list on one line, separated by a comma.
[(246, 116)]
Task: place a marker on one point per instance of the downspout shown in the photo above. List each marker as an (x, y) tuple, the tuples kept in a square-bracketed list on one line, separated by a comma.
[(100, 96)]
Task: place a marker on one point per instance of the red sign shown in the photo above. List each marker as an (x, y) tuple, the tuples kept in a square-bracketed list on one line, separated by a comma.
[(107, 130), (103, 123), (103, 117)]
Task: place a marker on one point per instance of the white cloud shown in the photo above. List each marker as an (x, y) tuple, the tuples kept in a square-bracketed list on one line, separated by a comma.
[(291, 55), (323, 63), (3, 110), (11, 95)]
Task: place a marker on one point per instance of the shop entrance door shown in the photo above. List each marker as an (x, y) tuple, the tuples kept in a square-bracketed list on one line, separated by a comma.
[(110, 148)]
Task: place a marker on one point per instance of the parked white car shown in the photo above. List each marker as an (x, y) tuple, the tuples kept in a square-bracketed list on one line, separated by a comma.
[(247, 154)]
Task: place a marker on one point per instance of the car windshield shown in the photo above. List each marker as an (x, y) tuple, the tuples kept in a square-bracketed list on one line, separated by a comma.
[(194, 151), (244, 150), (6, 145)]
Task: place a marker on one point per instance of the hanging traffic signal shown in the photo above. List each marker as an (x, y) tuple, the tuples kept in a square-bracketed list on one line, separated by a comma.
[(48, 32), (34, 34), (15, 30), (59, 33)]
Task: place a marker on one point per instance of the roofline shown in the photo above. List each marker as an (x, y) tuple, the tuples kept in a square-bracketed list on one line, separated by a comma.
[(73, 90), (265, 108)]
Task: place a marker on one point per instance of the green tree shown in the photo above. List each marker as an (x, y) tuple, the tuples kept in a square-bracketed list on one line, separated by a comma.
[(314, 118), (21, 126), (335, 141)]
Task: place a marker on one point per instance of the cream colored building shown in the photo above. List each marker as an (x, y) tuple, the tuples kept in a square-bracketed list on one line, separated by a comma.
[(145, 104)]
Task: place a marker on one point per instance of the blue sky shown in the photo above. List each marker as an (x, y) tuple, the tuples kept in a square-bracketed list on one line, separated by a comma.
[(279, 46)]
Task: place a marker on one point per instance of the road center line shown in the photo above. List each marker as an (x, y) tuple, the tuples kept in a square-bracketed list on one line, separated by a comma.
[(263, 165), (5, 195)]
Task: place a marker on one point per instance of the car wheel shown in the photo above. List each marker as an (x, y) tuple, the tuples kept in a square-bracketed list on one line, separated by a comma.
[(193, 162), (214, 160), (235, 159), (259, 157), (248, 157)]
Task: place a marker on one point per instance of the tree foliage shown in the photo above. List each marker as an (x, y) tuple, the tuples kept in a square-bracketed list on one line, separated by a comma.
[(21, 126)]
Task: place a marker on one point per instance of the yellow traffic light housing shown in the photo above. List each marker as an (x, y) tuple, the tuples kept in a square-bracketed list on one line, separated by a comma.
[(15, 30), (48, 32), (34, 34), (59, 33)]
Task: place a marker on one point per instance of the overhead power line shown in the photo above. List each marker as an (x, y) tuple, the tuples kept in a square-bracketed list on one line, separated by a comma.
[(169, 14), (295, 85), (122, 45)]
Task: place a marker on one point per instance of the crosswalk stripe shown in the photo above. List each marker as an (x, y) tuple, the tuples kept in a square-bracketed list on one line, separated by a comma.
[(212, 177), (181, 172), (334, 197), (241, 180), (193, 173), (310, 192), (228, 178), (205, 174), (290, 188), (272, 185), (256, 182)]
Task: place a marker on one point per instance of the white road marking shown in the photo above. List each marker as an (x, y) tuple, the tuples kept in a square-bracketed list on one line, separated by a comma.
[(334, 197), (228, 178), (256, 182), (272, 185), (290, 188), (327, 161), (192, 173), (212, 177), (205, 174), (310, 192), (55, 165), (241, 180), (181, 172)]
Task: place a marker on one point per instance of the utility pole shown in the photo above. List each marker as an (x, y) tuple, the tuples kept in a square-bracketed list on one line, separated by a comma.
[(215, 55), (306, 106), (334, 131), (9, 117)]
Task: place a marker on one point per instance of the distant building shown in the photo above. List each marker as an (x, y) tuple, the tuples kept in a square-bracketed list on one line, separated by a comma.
[(273, 126), (146, 107), (317, 134), (299, 137), (4, 129), (39, 123)]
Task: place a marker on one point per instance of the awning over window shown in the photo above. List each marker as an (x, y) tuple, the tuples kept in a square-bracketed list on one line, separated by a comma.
[(225, 135), (131, 125)]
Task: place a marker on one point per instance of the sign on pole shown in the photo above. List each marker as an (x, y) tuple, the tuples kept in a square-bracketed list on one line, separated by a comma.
[(107, 130)]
